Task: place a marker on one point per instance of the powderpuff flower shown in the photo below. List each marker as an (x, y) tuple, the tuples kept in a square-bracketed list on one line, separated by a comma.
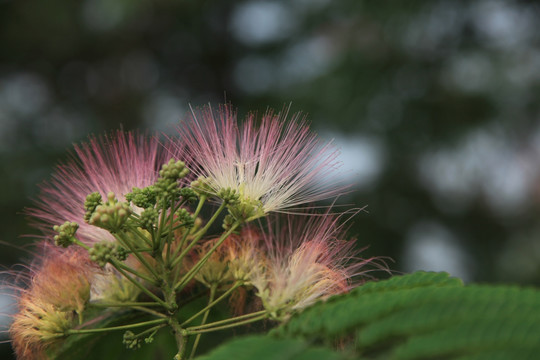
[(277, 164), (114, 163), (57, 289), (244, 253), (37, 326), (307, 260), (234, 260), (64, 279)]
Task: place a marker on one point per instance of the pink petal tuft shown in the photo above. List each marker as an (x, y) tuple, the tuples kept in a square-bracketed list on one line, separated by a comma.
[(281, 163), (116, 163)]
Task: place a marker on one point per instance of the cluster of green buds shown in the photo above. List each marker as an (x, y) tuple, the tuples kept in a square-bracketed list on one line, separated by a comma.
[(143, 198), (148, 218), (241, 210), (111, 215), (92, 201), (185, 218), (167, 184), (66, 234), (133, 341), (247, 210), (105, 251), (202, 187)]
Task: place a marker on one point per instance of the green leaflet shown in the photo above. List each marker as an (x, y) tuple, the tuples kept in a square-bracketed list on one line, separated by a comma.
[(427, 316), (269, 348), (476, 304), (409, 281), (472, 337)]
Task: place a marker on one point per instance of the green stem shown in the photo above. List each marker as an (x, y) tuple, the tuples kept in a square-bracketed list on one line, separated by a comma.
[(141, 236), (123, 304), (226, 321), (152, 330), (141, 250), (205, 317), (180, 336), (141, 258), (157, 240), (115, 263), (114, 328), (202, 200), (168, 215), (174, 228), (212, 303), (195, 330), (176, 251), (254, 217), (199, 236), (149, 311), (193, 271), (170, 232), (80, 243)]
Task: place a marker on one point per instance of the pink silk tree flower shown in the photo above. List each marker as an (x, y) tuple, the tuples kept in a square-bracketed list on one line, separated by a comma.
[(278, 164), (57, 288), (307, 260), (114, 163)]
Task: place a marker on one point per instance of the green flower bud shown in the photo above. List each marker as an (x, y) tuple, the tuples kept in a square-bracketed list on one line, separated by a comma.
[(131, 340), (111, 215), (167, 184), (246, 208), (144, 198), (66, 234), (148, 218), (185, 218), (202, 187), (168, 190), (228, 221), (103, 252), (149, 339), (189, 195), (229, 196), (121, 253), (173, 170), (90, 204)]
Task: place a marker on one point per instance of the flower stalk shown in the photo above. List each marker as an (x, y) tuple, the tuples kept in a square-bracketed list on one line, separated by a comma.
[(205, 317), (198, 236), (212, 302), (114, 328), (193, 271)]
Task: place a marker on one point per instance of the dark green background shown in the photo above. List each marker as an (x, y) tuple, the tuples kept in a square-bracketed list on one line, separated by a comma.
[(436, 104)]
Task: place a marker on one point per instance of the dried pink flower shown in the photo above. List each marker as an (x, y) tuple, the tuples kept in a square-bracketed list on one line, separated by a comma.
[(116, 163), (279, 163), (307, 260), (58, 287)]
